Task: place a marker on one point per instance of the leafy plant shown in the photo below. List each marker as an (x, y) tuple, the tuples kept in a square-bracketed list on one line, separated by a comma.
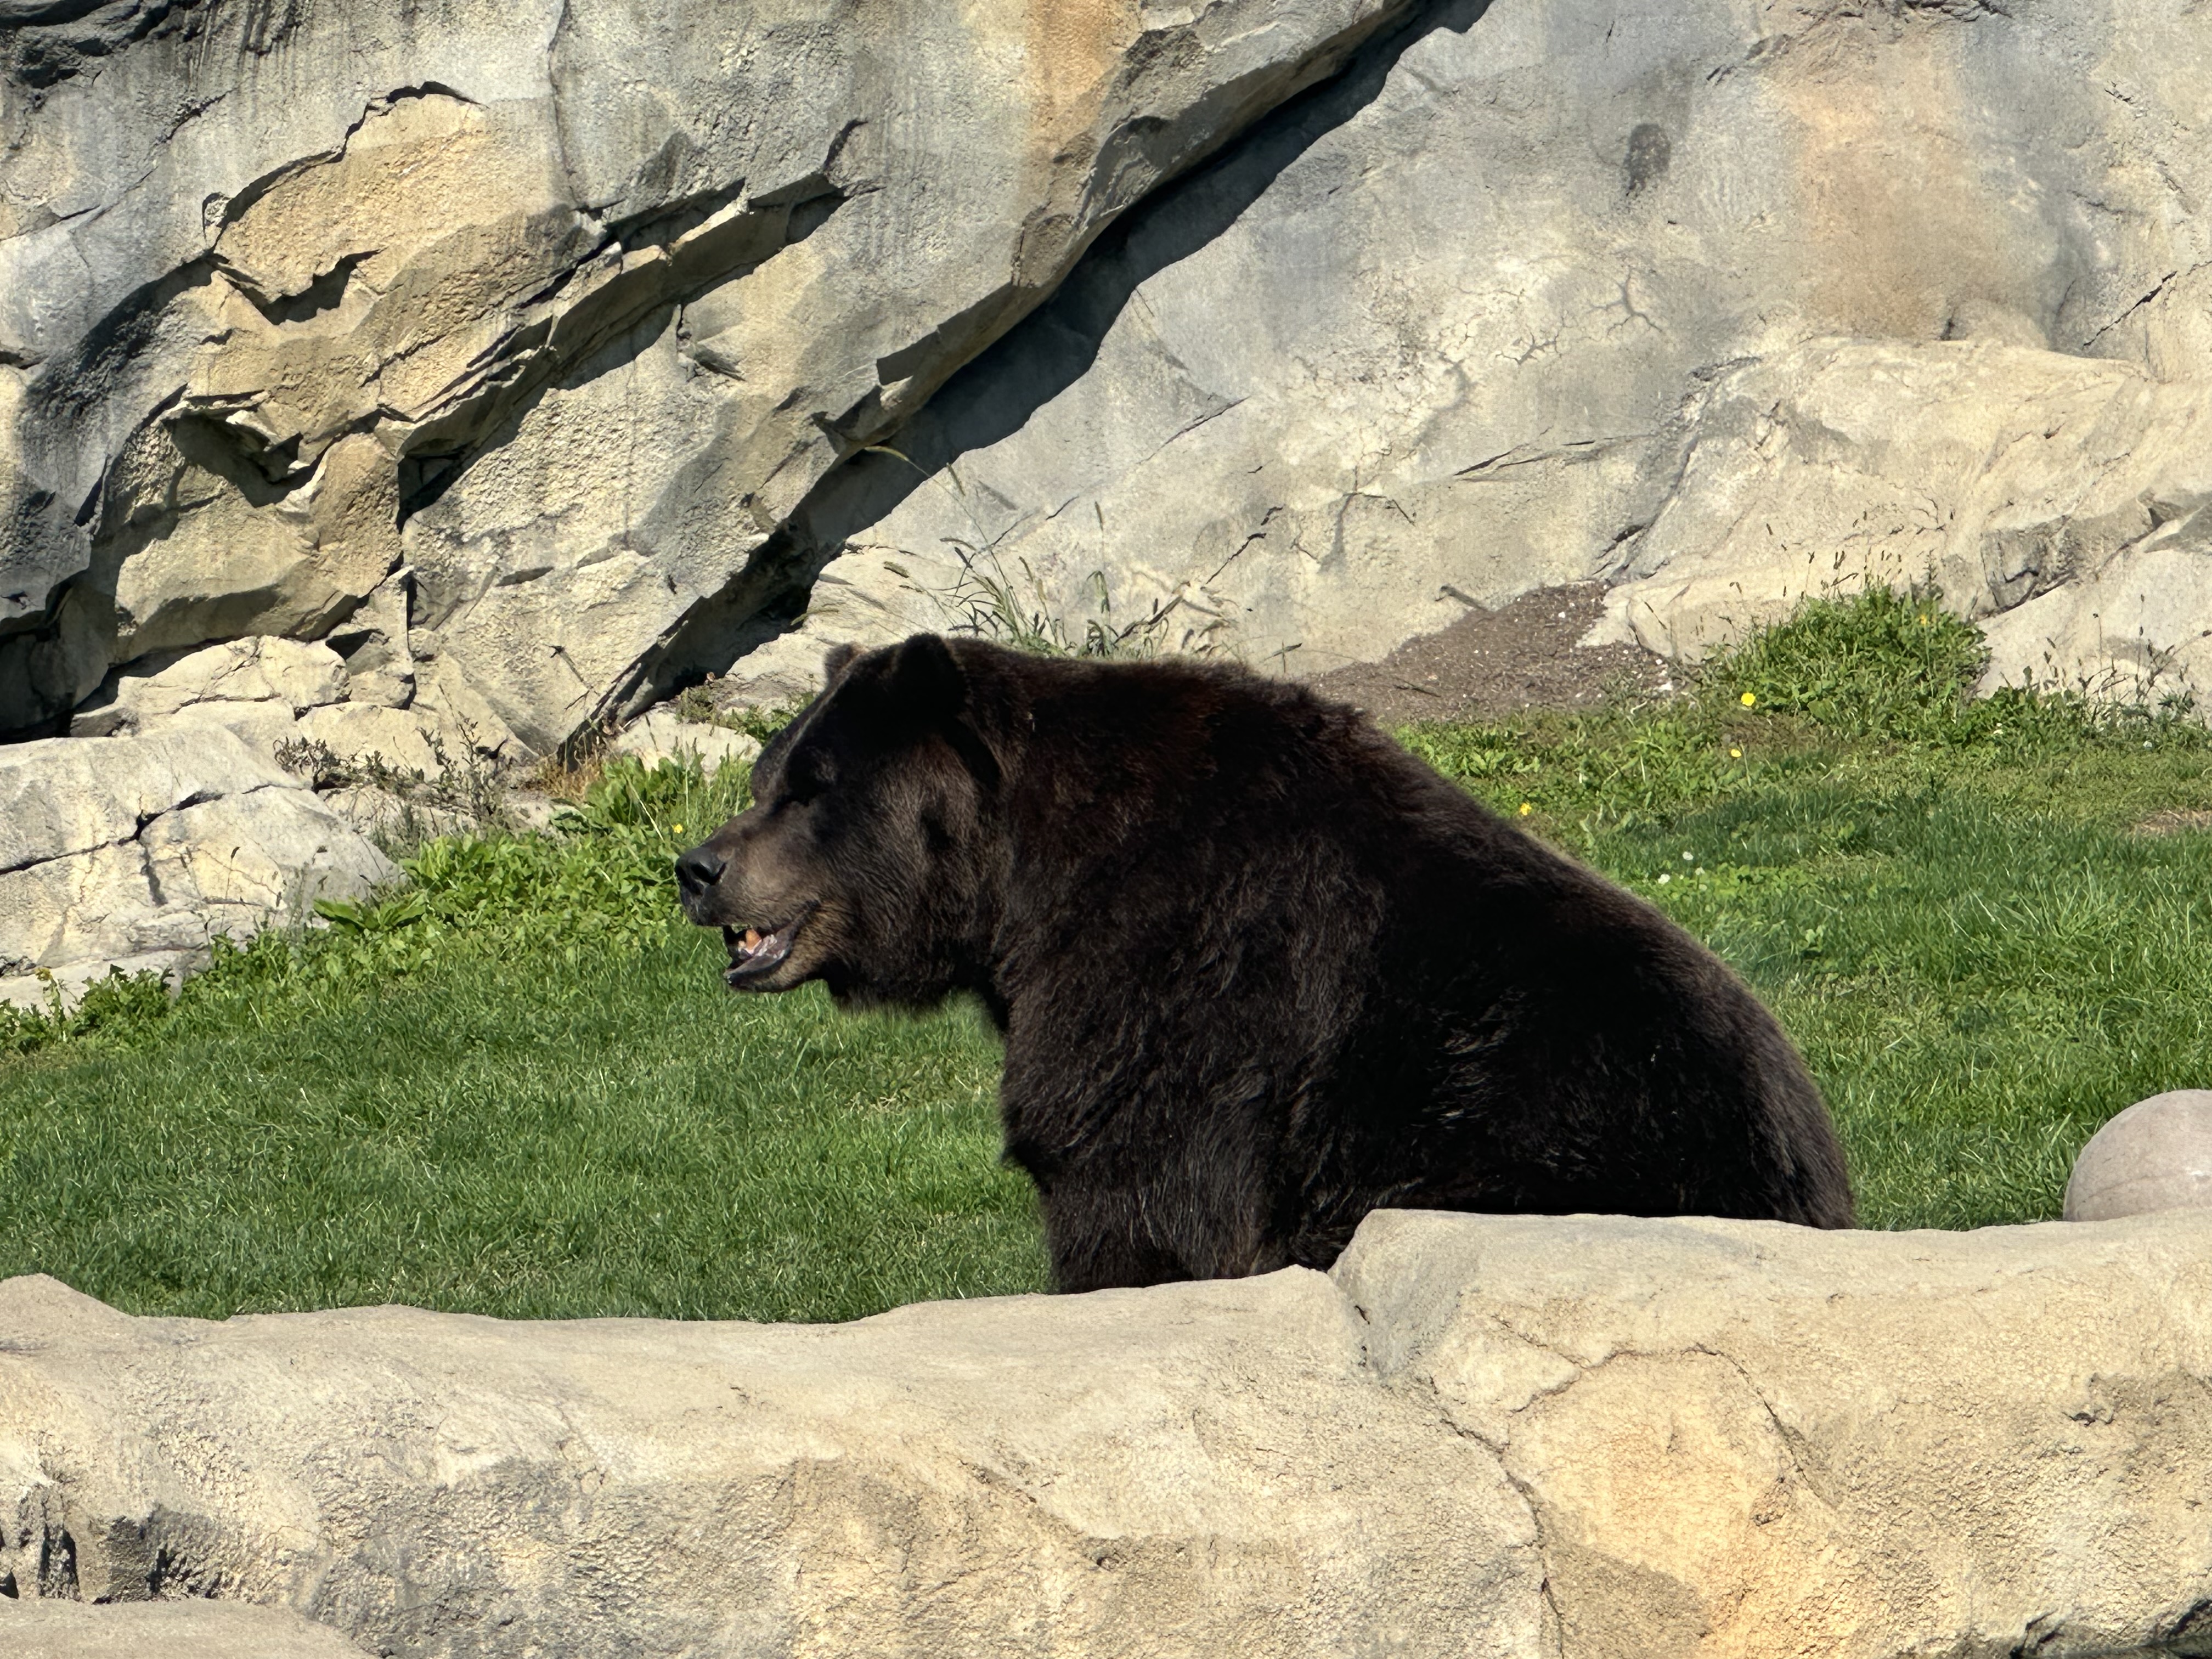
[(1880, 664)]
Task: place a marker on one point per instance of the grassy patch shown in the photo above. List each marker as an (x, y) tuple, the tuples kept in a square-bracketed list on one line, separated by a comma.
[(1953, 906), (517, 1086)]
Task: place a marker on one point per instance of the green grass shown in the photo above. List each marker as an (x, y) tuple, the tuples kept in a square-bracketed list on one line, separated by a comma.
[(518, 1086), (626, 1142)]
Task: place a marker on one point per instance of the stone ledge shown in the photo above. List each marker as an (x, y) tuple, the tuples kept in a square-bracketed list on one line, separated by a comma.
[(164, 1630), (1582, 1436)]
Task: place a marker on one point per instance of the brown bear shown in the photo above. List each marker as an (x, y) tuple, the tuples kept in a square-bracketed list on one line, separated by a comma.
[(1258, 969)]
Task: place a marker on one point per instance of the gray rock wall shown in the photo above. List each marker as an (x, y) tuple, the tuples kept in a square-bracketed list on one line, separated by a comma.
[(1455, 327), (563, 309), (1582, 1437)]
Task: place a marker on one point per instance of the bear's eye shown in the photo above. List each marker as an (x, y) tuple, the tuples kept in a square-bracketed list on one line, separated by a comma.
[(809, 774)]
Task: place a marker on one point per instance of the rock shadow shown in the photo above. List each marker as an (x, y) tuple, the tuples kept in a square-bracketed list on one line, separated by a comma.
[(995, 394)]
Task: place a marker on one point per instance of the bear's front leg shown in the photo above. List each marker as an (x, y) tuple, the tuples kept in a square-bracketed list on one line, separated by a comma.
[(1114, 1238), (1103, 1239)]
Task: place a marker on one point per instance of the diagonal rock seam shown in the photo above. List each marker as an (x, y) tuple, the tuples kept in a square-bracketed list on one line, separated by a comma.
[(137, 850), (651, 260)]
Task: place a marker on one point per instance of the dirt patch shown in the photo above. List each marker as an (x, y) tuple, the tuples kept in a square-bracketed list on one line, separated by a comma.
[(2175, 821), (1492, 664)]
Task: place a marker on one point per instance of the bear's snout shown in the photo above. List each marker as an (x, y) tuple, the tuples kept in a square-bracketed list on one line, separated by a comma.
[(697, 873)]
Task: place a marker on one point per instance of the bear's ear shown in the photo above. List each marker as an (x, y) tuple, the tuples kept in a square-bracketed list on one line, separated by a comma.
[(924, 679), (927, 685), (837, 660)]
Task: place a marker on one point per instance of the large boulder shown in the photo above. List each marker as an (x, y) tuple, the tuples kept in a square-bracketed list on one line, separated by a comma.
[(558, 310), (136, 851), (1479, 1435), (2155, 1155)]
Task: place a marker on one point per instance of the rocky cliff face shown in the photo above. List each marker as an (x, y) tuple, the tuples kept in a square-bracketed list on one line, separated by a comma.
[(516, 332), (1543, 296), (538, 358)]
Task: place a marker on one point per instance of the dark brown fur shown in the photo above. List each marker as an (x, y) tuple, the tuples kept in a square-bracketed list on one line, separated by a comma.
[(1259, 970)]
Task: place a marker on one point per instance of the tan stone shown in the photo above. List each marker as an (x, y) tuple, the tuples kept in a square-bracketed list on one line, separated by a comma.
[(1582, 1437), (256, 686), (1205, 1471), (196, 1629), (662, 734), (1452, 332), (356, 732), (372, 641), (116, 849), (1743, 1438), (1998, 472), (2137, 626)]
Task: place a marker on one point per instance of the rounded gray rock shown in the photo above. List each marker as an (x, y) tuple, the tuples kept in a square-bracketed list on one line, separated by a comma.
[(2156, 1155)]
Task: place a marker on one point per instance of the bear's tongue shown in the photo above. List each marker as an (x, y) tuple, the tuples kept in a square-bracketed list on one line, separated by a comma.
[(755, 951)]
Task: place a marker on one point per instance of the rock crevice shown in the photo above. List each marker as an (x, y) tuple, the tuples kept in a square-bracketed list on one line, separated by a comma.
[(418, 260)]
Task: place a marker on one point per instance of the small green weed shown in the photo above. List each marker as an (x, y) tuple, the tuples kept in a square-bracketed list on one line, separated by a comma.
[(1881, 664)]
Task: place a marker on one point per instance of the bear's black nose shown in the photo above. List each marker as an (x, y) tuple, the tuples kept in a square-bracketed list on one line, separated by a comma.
[(697, 870)]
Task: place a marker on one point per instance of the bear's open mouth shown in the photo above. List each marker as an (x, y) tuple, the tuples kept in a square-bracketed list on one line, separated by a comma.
[(755, 951)]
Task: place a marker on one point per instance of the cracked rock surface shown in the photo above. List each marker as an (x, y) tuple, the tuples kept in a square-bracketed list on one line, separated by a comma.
[(2059, 501), (1450, 329), (134, 851), (543, 360), (560, 309), (1579, 1435)]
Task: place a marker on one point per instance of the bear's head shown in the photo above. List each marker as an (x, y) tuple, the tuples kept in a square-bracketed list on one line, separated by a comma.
[(869, 858)]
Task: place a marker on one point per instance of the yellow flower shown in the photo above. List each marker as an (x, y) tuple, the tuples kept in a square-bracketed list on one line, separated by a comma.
[(680, 828), (1923, 621), (1748, 698), (1525, 809), (1736, 754)]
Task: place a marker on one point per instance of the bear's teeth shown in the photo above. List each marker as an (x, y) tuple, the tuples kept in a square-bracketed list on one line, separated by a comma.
[(752, 939)]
